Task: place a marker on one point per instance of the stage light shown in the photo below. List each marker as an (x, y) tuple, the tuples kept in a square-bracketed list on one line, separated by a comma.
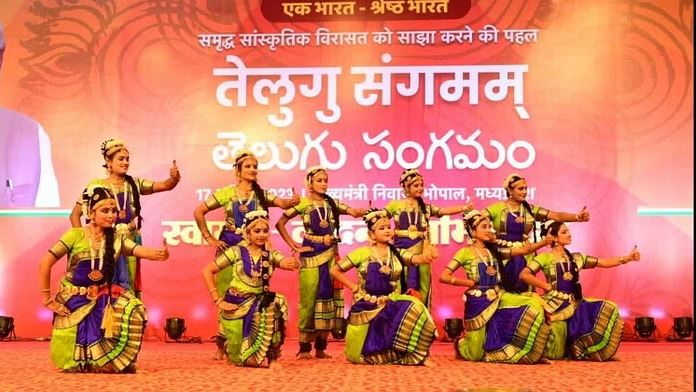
[(339, 330), (175, 327), (454, 327), (644, 327), (683, 327), (6, 327)]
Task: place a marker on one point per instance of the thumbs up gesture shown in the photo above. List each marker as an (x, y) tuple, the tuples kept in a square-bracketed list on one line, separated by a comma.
[(583, 215), (163, 252), (174, 172), (635, 254), (294, 198)]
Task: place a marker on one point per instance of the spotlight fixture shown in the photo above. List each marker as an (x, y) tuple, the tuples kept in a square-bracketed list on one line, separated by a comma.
[(454, 327), (645, 327), (339, 330), (7, 327), (683, 327), (175, 328)]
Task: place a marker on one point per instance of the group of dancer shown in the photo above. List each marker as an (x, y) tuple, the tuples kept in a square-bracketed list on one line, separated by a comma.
[(99, 318)]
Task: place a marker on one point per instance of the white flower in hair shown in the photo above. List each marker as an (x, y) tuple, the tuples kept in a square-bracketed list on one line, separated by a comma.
[(471, 214), (508, 180), (407, 174), (252, 216), (312, 171), (108, 145), (256, 214), (546, 225), (243, 152)]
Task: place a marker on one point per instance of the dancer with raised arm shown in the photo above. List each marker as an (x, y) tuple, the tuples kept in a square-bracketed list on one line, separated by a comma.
[(127, 191), (98, 324), (384, 326), (581, 328), (321, 301), (252, 317), (411, 216), (236, 200), (500, 326)]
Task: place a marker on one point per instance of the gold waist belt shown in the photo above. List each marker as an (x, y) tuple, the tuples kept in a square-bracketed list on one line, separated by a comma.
[(327, 239), (412, 234), (79, 290)]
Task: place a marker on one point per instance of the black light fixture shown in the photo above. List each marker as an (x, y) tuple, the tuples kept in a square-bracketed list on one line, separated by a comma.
[(454, 327), (6, 327), (175, 328), (645, 327), (683, 327), (339, 330)]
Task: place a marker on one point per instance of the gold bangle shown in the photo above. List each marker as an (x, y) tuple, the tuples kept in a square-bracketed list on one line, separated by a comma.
[(45, 291), (46, 302), (217, 301)]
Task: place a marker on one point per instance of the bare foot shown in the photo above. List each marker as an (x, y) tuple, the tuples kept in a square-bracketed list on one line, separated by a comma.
[(321, 354), (219, 354), (429, 363), (304, 356)]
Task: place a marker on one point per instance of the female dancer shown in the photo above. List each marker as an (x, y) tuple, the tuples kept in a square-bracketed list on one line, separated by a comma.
[(245, 196), (500, 326), (97, 325), (127, 190), (252, 317), (581, 328), (320, 301), (513, 220), (411, 217), (384, 326)]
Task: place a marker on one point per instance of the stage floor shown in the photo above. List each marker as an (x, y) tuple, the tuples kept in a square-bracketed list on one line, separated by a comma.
[(26, 366)]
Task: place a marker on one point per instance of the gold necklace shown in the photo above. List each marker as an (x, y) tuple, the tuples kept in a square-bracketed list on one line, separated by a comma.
[(95, 274), (385, 262), (255, 265), (323, 220), (243, 206), (519, 217), (489, 261), (564, 261), (121, 210)]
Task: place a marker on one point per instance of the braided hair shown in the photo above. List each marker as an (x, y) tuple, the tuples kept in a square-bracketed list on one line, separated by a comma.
[(92, 196)]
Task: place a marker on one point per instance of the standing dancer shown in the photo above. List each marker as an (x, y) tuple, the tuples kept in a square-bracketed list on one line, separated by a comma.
[(320, 300), (127, 191), (384, 326), (513, 220), (238, 199), (500, 326), (252, 317), (411, 216), (581, 328), (98, 324)]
